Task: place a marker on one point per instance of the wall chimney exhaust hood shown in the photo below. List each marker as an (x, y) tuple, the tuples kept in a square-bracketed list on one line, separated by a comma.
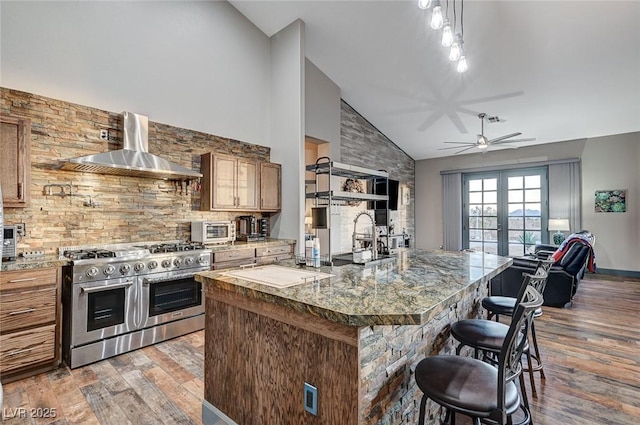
[(133, 159)]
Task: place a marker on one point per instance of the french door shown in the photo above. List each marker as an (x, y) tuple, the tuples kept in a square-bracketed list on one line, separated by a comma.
[(503, 212)]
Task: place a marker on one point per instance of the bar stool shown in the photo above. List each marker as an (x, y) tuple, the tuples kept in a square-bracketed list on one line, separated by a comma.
[(487, 336), (498, 305), (477, 389)]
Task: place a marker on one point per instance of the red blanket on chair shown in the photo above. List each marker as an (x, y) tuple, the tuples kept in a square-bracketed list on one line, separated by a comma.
[(582, 239)]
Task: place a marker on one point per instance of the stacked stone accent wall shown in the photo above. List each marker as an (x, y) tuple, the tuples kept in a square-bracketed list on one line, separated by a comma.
[(129, 209), (364, 145), (389, 355)]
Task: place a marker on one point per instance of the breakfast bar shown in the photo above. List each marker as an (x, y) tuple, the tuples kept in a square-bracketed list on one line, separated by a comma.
[(353, 333)]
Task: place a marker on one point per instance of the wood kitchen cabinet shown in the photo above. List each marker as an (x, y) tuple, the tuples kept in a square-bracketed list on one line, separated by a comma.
[(15, 161), (229, 183), (273, 254), (270, 183), (233, 258), (30, 314)]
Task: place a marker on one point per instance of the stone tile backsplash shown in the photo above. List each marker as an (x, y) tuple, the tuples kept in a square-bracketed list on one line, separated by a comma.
[(128, 209)]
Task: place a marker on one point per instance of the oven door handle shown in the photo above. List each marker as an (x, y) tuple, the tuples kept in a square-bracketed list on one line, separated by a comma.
[(151, 281), (88, 290)]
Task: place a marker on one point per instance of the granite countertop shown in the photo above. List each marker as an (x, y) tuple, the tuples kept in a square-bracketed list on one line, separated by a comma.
[(53, 260), (20, 263), (408, 289)]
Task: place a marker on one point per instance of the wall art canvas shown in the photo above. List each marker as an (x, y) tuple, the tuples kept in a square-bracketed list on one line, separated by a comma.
[(611, 201)]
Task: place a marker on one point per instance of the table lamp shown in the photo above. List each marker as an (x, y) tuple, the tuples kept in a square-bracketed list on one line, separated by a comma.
[(559, 225)]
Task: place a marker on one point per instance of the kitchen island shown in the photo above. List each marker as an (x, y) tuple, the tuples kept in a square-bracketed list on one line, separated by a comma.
[(356, 336)]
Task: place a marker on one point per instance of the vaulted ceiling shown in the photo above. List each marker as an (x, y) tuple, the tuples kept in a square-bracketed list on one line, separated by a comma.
[(551, 70)]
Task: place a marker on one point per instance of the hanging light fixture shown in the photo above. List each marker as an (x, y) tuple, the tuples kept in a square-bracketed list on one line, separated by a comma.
[(462, 60), (456, 48), (462, 64), (436, 16), (447, 33), (424, 4)]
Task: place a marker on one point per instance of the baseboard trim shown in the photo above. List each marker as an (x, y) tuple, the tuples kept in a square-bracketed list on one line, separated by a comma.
[(212, 416), (613, 272)]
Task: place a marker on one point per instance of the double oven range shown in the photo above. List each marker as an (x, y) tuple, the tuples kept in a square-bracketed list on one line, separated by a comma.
[(117, 298)]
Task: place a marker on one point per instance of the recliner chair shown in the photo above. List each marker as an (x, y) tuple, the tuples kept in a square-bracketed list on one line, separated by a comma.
[(564, 276)]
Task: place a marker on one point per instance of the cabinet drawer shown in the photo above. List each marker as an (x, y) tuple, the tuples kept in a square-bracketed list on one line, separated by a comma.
[(268, 259), (233, 264), (19, 309), (232, 255), (273, 250), (21, 279), (27, 347)]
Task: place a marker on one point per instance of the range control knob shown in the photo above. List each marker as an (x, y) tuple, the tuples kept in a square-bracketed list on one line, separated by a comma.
[(152, 264), (177, 262), (124, 269), (202, 260), (109, 270), (138, 267), (166, 263), (92, 272), (188, 261)]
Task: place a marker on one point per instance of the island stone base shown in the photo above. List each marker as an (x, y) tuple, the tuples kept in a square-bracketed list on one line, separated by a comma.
[(258, 355)]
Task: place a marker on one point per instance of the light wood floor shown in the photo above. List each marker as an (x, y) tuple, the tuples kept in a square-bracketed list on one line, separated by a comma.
[(591, 354)]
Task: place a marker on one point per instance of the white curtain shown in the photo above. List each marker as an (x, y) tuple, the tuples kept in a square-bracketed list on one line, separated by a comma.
[(564, 193), (452, 211)]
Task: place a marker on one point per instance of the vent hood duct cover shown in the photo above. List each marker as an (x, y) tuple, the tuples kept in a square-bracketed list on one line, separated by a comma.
[(134, 159)]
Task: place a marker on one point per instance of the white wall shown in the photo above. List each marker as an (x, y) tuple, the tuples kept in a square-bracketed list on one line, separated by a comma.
[(197, 65), (613, 163), (607, 163), (322, 107), (287, 127)]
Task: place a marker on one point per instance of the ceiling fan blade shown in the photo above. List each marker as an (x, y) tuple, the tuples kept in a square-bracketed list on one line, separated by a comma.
[(505, 145), (464, 150), (497, 139), (529, 139), (462, 143), (454, 147)]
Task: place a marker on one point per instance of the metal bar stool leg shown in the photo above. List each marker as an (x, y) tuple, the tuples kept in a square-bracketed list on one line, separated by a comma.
[(536, 350), (423, 405)]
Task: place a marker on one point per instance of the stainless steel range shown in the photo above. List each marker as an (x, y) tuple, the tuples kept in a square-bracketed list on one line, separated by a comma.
[(117, 298)]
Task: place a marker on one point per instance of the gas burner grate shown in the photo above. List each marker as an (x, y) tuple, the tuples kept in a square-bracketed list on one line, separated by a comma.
[(84, 254), (174, 247)]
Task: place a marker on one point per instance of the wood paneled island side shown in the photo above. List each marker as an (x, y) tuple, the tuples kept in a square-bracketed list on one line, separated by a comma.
[(355, 336)]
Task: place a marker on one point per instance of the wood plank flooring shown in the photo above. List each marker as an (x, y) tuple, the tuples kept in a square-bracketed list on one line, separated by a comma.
[(591, 354)]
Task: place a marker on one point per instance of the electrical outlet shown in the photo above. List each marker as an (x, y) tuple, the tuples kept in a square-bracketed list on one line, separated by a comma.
[(104, 134), (21, 229), (311, 399)]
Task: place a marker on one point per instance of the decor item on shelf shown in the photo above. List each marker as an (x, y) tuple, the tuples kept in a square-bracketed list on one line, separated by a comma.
[(353, 186), (450, 39), (559, 225), (611, 201)]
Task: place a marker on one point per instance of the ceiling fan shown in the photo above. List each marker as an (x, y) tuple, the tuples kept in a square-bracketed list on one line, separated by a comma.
[(483, 142)]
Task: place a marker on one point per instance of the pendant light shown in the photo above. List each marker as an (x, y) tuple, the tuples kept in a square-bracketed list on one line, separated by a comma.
[(456, 48), (436, 15), (447, 34), (462, 64), (424, 4)]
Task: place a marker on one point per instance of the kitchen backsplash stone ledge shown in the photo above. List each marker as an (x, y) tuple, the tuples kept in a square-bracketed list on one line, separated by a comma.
[(129, 209)]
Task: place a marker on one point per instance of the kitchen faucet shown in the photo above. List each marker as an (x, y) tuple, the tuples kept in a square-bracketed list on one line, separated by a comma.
[(363, 237)]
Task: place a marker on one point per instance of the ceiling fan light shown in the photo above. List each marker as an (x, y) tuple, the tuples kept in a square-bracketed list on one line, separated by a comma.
[(482, 146), (436, 16), (462, 65), (447, 34), (424, 4)]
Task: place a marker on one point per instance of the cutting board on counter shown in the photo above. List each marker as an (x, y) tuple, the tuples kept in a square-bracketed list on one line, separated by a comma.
[(277, 276)]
